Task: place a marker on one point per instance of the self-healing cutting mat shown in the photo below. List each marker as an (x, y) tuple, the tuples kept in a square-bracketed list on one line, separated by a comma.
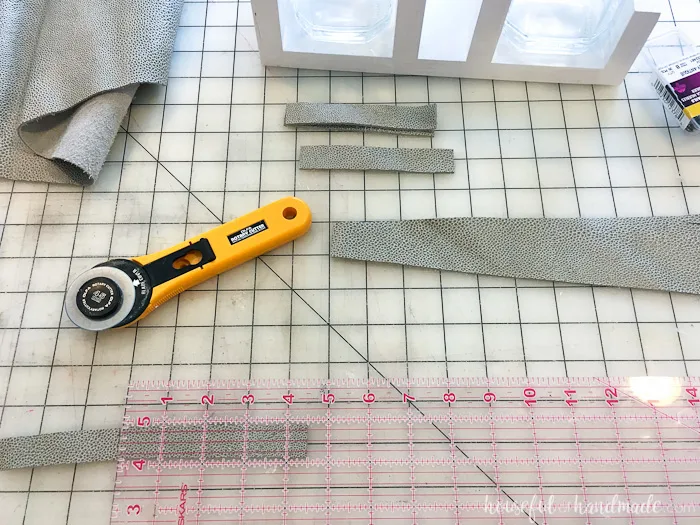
[(213, 145), (438, 451)]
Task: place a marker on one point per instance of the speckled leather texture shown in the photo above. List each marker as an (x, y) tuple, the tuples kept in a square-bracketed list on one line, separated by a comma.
[(656, 253), (68, 72), (60, 448), (178, 442), (223, 441), (409, 160), (402, 120)]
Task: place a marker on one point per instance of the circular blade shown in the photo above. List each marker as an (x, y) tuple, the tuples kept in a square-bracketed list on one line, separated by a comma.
[(104, 276)]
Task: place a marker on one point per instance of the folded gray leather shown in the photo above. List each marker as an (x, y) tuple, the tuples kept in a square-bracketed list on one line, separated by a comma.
[(223, 441), (413, 160), (403, 120), (657, 253), (68, 72)]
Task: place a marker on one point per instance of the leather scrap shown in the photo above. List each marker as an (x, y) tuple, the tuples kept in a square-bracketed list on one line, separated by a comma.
[(410, 160), (82, 446), (179, 442), (402, 120), (656, 253), (68, 73), (223, 441)]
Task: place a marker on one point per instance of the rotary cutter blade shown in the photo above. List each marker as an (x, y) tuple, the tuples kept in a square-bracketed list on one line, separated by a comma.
[(123, 291)]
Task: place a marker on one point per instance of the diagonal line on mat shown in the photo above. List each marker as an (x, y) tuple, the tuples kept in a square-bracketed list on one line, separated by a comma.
[(335, 330), (160, 163)]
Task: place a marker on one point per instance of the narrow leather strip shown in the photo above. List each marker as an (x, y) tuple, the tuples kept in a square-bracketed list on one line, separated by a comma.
[(82, 446), (412, 160), (178, 442), (223, 441), (657, 253), (403, 120)]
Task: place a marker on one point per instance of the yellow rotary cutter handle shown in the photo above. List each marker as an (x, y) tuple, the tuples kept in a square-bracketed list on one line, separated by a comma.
[(123, 291)]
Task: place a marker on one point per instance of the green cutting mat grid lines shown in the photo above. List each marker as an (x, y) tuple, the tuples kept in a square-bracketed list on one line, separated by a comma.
[(211, 146)]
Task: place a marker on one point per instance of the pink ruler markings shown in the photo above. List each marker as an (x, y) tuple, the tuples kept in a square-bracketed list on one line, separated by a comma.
[(464, 450), (246, 400), (571, 400), (494, 448)]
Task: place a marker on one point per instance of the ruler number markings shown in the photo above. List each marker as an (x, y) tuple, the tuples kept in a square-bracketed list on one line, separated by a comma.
[(449, 397), (530, 395), (376, 394), (207, 400)]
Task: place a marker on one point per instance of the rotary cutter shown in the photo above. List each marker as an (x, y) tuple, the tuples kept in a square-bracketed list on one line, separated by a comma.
[(123, 291)]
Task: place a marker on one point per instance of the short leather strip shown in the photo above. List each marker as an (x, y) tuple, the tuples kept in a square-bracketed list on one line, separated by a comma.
[(657, 253), (412, 160), (220, 441), (403, 120)]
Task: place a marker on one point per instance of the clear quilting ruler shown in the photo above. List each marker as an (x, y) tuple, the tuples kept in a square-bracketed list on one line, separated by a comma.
[(444, 451)]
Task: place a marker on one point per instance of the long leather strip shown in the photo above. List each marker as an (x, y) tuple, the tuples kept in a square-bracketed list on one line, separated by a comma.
[(658, 253), (412, 160), (177, 442), (404, 120)]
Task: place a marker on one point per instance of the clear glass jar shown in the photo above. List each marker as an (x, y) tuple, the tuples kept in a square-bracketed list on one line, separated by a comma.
[(344, 21), (559, 27)]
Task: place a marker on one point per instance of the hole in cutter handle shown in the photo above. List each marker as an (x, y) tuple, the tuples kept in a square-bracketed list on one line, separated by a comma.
[(289, 213), (189, 259), (180, 262)]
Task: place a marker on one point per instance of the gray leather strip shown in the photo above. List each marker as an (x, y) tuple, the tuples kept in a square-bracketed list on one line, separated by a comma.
[(658, 253), (223, 441), (178, 442), (413, 160), (68, 72), (82, 446), (404, 120)]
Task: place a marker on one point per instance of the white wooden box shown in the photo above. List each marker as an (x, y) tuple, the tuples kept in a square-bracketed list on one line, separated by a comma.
[(454, 38)]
